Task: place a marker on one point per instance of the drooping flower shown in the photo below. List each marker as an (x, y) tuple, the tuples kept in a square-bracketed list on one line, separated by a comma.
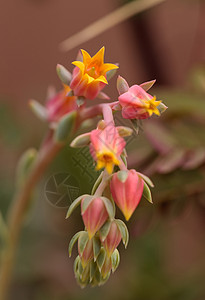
[(136, 102), (94, 215), (127, 188), (106, 147), (112, 239), (60, 104), (87, 253), (89, 75)]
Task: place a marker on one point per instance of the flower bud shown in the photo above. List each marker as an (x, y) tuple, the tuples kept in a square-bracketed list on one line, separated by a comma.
[(94, 214), (85, 248), (127, 189), (112, 239)]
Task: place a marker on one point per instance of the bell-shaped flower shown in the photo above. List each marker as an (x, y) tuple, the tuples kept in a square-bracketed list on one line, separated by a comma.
[(94, 214), (106, 147), (136, 102), (60, 104), (89, 75), (127, 189)]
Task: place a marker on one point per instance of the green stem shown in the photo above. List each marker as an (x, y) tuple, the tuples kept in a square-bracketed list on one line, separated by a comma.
[(17, 212)]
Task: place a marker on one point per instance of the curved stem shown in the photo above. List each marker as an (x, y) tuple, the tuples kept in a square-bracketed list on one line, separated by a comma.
[(103, 184), (107, 114), (17, 212)]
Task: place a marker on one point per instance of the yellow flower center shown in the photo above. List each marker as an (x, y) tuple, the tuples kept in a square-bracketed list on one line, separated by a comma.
[(106, 160)]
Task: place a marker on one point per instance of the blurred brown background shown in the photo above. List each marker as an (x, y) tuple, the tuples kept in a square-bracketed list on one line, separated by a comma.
[(165, 258)]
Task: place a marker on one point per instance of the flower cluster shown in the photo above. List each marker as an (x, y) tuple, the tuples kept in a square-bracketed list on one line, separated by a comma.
[(98, 255)]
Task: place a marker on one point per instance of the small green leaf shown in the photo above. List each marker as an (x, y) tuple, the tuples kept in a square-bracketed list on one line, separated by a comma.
[(72, 242), (101, 258), (65, 127), (81, 141), (146, 193), (124, 231), (109, 205), (96, 247), (146, 179), (64, 75), (38, 109), (82, 241), (104, 230), (97, 183), (74, 204), (115, 258)]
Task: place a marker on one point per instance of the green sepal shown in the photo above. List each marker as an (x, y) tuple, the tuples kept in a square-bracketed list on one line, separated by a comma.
[(101, 258), (115, 258), (74, 204), (111, 73), (97, 183), (104, 230), (85, 277), (146, 179), (86, 202), (110, 207), (81, 141), (124, 131), (38, 109), (122, 85), (93, 267), (64, 75), (146, 193), (72, 242), (124, 231), (65, 127), (75, 266), (162, 107), (96, 247), (24, 165), (147, 85), (82, 241), (122, 175)]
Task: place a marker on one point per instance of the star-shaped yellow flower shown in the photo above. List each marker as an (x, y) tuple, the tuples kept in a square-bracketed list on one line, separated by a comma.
[(94, 68), (151, 106), (107, 160)]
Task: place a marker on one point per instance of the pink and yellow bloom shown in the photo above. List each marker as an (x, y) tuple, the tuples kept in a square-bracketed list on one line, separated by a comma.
[(60, 104), (127, 189), (106, 147), (89, 75), (94, 216), (138, 104)]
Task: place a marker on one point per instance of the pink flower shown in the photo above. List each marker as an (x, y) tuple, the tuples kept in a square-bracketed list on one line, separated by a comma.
[(112, 240), (136, 102), (127, 188), (106, 147), (60, 104), (94, 216)]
